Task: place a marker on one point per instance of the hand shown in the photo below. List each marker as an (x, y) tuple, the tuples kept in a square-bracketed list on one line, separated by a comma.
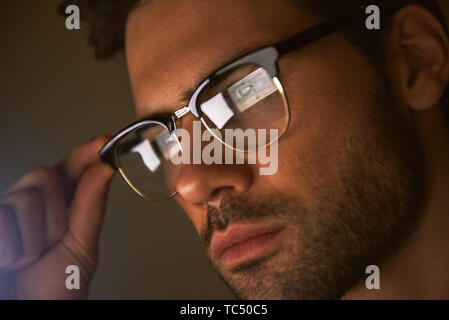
[(38, 239)]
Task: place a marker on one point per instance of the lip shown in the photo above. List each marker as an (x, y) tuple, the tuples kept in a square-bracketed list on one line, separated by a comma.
[(243, 242)]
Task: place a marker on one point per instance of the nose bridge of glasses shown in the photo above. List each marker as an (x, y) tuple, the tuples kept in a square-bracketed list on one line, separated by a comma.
[(181, 112), (183, 119), (192, 103), (188, 126), (185, 129)]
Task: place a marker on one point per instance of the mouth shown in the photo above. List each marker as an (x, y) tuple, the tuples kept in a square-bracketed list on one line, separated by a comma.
[(241, 243)]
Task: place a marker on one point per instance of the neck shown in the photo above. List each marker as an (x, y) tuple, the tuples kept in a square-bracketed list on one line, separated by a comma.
[(420, 269)]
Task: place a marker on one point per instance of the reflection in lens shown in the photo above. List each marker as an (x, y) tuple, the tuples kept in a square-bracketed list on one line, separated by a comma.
[(144, 159), (147, 154), (218, 110), (248, 91), (246, 97)]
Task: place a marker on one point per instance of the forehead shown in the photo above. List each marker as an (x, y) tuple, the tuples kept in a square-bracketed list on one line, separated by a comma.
[(172, 44)]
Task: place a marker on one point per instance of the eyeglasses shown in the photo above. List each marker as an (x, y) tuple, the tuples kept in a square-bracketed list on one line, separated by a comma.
[(243, 94)]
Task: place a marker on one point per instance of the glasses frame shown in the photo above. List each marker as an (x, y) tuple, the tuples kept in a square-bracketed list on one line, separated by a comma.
[(266, 57)]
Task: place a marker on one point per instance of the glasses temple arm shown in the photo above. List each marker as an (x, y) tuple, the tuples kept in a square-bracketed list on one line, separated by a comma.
[(310, 35)]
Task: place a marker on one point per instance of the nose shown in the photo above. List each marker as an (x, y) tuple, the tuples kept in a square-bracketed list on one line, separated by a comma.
[(206, 184), (202, 184)]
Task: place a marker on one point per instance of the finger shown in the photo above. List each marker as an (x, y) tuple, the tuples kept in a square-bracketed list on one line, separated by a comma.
[(48, 182), (28, 209), (88, 206), (10, 243), (76, 162)]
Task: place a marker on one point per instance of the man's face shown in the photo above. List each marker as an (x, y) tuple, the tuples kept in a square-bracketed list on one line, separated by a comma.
[(346, 192)]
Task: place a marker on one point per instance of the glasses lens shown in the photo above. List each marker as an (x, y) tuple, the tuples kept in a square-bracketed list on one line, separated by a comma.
[(246, 98), (144, 158)]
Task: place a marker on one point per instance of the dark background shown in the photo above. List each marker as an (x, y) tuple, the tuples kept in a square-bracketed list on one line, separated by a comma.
[(54, 95)]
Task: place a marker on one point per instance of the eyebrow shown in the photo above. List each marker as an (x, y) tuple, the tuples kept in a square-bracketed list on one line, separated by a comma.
[(187, 93), (164, 111), (185, 96)]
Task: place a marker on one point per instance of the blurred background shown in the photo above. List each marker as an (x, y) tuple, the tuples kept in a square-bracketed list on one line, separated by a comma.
[(54, 95)]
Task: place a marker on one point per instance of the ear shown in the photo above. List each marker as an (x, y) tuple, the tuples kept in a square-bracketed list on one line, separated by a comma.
[(418, 57)]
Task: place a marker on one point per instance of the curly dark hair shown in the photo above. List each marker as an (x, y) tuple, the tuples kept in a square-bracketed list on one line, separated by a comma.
[(107, 20)]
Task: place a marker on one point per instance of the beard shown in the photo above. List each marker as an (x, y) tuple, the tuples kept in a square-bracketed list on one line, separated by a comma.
[(362, 215)]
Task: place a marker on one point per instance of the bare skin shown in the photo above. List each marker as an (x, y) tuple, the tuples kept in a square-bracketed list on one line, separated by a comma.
[(172, 44), (38, 239)]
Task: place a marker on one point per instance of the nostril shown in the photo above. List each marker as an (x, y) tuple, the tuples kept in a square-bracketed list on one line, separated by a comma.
[(201, 205), (218, 194), (206, 184)]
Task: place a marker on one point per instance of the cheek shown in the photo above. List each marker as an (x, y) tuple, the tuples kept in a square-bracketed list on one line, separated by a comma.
[(328, 114)]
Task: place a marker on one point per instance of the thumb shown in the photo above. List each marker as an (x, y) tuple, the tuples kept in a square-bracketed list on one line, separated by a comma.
[(88, 205)]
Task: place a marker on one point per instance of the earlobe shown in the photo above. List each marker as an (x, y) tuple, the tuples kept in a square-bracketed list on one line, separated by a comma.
[(421, 63), (425, 93)]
